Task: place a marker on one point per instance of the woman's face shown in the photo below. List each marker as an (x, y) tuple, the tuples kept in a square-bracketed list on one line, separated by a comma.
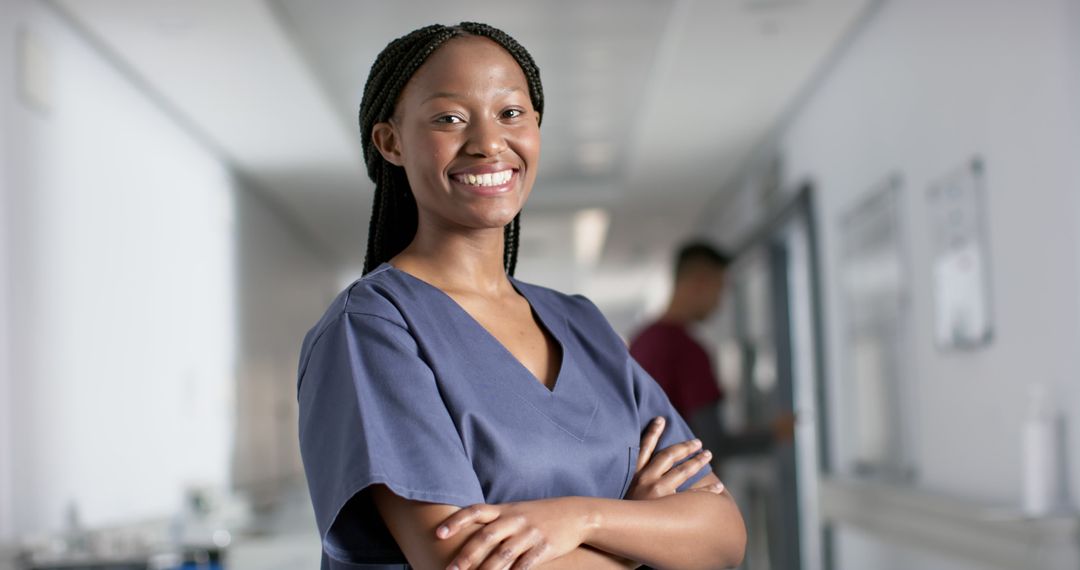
[(467, 134)]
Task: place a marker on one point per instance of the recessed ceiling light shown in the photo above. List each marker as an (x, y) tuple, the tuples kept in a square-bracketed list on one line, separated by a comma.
[(590, 231)]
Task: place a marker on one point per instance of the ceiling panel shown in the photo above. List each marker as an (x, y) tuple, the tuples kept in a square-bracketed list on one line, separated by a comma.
[(651, 105), (593, 61)]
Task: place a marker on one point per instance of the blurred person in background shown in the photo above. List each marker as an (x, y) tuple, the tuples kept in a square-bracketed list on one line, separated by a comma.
[(668, 351)]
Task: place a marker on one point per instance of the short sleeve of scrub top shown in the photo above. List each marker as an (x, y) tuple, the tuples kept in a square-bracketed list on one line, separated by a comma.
[(400, 386)]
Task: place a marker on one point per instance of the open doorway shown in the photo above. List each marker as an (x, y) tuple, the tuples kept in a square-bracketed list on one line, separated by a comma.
[(771, 352)]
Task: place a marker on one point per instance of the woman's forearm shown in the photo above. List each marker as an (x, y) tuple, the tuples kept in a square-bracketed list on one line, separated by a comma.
[(684, 530), (697, 528), (586, 556)]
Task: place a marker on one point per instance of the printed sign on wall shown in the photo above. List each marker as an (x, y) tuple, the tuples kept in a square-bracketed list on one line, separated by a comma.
[(961, 276)]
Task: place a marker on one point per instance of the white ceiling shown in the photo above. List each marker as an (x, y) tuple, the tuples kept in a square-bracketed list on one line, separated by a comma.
[(651, 105)]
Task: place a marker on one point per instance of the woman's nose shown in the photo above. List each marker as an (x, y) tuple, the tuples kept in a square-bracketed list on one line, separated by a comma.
[(486, 138)]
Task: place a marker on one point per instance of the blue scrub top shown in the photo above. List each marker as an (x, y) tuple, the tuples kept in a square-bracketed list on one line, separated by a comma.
[(399, 385)]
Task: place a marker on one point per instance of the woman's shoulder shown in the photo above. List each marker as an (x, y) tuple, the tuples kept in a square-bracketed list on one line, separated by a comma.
[(373, 295), (373, 298)]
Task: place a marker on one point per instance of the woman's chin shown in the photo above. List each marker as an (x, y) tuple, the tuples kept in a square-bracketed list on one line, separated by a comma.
[(494, 223), (491, 219)]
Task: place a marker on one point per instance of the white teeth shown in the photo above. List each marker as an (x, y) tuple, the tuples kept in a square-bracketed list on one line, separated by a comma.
[(488, 179)]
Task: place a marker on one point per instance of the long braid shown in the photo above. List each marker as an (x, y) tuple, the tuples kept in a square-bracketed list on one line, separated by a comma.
[(393, 212), (508, 252), (512, 240)]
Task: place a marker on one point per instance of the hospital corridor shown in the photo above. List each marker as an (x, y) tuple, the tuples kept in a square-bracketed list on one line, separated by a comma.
[(838, 241)]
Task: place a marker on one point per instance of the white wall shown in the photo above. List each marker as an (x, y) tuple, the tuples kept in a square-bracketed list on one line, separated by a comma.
[(285, 282), (146, 279), (7, 71), (924, 87), (122, 285), (1072, 24)]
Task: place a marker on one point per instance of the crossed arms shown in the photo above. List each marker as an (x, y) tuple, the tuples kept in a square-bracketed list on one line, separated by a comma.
[(697, 528)]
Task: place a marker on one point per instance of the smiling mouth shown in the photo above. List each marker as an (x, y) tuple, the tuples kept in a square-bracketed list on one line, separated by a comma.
[(487, 179)]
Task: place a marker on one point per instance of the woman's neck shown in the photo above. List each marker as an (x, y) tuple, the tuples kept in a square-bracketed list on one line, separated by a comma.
[(464, 261)]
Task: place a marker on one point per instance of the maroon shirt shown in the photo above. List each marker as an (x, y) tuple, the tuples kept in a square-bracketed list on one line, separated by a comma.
[(679, 364)]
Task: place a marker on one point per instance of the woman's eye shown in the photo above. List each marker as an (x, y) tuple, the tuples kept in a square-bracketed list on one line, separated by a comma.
[(449, 119), (512, 113)]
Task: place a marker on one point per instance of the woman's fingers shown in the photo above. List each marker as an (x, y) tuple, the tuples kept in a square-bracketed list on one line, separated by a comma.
[(657, 474), (649, 441), (541, 530), (680, 474), (715, 488), (479, 513), (485, 543), (662, 461), (535, 556), (510, 550)]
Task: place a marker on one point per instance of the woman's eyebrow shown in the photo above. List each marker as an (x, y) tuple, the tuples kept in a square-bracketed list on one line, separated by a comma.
[(459, 96), (441, 95)]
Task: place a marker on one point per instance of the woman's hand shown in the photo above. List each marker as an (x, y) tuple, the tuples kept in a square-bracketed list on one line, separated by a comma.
[(657, 476), (516, 535)]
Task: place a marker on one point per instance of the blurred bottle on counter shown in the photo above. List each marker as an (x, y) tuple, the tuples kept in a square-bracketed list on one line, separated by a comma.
[(1041, 496)]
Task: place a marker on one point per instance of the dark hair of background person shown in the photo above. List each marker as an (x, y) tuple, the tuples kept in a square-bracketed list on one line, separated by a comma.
[(699, 252), (393, 211)]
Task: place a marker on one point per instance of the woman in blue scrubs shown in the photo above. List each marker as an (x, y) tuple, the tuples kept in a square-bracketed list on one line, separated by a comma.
[(452, 416)]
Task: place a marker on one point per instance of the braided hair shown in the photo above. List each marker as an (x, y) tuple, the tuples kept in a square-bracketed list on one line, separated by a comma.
[(393, 211)]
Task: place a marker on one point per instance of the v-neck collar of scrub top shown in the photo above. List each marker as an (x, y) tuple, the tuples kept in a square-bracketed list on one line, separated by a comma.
[(571, 403)]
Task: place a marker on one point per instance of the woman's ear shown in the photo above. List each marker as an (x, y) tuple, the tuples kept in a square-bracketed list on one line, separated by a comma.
[(387, 141)]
